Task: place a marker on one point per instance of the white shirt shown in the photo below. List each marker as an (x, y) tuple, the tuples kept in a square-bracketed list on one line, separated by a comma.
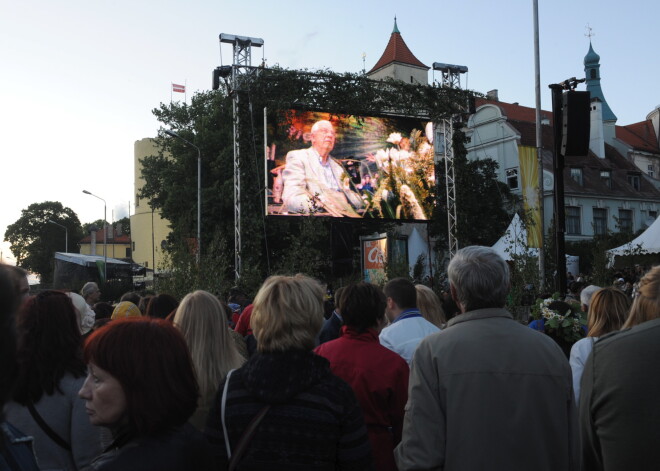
[(405, 333), (580, 352)]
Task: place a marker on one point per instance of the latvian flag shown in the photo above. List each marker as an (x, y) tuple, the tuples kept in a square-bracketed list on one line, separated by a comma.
[(178, 88)]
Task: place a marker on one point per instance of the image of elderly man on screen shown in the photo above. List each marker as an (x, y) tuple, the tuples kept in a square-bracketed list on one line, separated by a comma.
[(314, 181)]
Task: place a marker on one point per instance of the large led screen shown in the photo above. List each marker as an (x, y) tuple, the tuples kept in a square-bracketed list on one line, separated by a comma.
[(325, 164)]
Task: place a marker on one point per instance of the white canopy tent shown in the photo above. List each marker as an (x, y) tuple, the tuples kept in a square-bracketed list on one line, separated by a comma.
[(648, 242), (514, 241)]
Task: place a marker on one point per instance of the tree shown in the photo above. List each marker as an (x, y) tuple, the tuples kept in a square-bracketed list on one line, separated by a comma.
[(34, 240)]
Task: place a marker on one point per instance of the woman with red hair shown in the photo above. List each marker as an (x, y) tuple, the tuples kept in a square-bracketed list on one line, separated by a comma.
[(141, 384)]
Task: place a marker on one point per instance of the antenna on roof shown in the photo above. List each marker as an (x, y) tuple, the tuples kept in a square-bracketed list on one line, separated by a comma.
[(364, 68)]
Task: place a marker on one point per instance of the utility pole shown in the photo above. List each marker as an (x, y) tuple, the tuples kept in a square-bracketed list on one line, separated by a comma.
[(560, 134)]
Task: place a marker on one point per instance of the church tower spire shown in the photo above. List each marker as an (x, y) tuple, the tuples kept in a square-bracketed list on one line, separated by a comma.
[(592, 74), (398, 62)]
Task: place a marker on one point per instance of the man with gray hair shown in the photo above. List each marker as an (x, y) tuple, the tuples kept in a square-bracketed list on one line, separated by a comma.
[(91, 292), (314, 181), (487, 392), (585, 296)]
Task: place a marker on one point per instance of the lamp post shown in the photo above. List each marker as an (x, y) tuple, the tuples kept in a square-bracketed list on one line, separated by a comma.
[(199, 189), (66, 235), (105, 234)]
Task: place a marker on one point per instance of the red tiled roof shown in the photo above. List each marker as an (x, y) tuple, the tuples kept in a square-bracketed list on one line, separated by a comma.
[(397, 51), (118, 239), (640, 136), (515, 112)]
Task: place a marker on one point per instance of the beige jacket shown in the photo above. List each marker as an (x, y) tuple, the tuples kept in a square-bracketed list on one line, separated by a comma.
[(489, 393)]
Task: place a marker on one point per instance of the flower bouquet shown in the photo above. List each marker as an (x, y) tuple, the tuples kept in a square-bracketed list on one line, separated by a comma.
[(407, 178), (562, 321)]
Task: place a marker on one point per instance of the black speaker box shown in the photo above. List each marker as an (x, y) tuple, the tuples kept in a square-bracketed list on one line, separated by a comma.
[(576, 108)]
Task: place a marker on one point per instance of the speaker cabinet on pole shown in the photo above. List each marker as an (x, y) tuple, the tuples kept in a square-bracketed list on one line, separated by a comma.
[(576, 108)]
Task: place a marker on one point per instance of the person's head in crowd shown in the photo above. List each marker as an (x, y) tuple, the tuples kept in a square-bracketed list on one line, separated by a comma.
[(49, 345), (20, 277), (202, 320), (10, 299), (585, 296), (162, 306), (91, 293), (103, 310), (144, 303), (646, 305), (131, 297), (430, 306), (140, 376), (608, 311), (362, 306), (287, 313), (478, 278), (86, 315), (337, 296), (401, 295), (125, 309)]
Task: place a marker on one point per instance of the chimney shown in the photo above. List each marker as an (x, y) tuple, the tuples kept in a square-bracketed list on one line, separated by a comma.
[(654, 116), (597, 132), (492, 95)]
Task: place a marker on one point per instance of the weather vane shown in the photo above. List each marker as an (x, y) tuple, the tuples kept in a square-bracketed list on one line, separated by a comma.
[(590, 32)]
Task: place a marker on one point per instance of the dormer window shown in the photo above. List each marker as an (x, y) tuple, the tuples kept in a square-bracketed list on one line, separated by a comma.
[(606, 178), (634, 180), (576, 174)]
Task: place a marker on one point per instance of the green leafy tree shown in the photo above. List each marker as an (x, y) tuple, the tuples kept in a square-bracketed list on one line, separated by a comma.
[(34, 240)]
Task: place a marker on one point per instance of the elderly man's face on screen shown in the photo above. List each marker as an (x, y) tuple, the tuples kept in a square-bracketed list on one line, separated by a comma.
[(323, 137)]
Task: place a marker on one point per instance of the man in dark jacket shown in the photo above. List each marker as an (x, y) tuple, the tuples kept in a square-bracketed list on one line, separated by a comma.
[(619, 411), (488, 392)]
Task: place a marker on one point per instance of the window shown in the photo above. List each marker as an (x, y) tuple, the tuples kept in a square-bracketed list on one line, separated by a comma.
[(649, 167), (600, 221), (625, 220), (137, 200), (133, 243), (653, 215), (573, 220), (576, 174), (650, 174), (512, 178), (128, 252), (634, 181), (606, 178)]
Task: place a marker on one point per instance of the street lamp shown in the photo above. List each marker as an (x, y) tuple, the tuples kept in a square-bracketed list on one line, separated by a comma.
[(199, 189), (66, 235), (105, 233)]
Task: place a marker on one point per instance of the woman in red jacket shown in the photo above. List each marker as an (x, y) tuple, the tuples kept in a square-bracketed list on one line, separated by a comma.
[(378, 376)]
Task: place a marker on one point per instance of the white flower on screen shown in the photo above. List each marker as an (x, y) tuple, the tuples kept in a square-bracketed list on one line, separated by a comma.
[(395, 138)]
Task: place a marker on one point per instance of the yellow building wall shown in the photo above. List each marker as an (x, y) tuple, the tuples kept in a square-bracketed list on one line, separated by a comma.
[(114, 250), (148, 229)]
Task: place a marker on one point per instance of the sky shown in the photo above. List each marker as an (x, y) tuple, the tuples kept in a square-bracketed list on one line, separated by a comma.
[(79, 79)]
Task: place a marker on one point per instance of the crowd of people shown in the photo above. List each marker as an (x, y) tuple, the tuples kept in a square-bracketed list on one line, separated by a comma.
[(391, 378)]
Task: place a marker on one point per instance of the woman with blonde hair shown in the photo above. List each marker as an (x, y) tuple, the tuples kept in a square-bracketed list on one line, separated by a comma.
[(285, 405), (608, 310), (646, 305), (203, 323), (430, 306)]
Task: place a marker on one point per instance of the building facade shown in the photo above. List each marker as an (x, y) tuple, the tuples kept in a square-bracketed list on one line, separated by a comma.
[(610, 189), (148, 229)]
